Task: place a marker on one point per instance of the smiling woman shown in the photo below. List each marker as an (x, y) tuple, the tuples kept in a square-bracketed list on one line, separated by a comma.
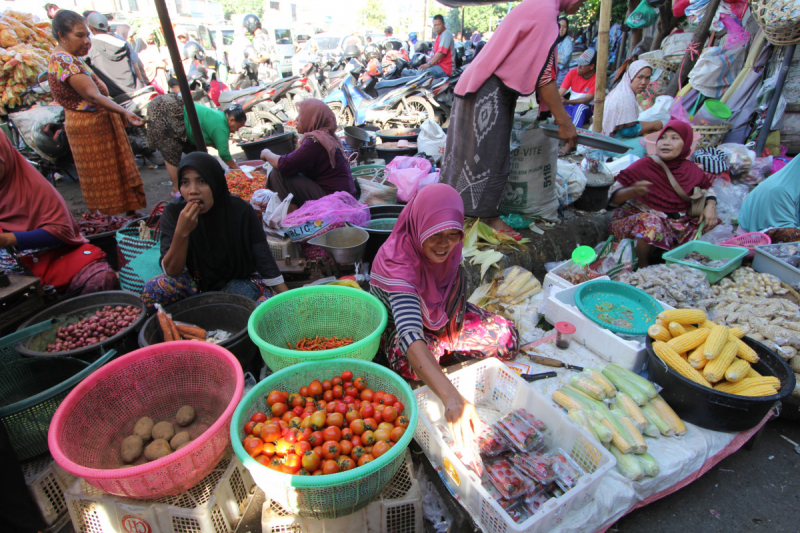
[(417, 275)]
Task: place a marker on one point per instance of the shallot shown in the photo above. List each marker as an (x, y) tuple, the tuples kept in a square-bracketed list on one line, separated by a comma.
[(103, 324)]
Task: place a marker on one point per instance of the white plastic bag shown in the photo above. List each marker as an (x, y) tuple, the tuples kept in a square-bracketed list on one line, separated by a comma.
[(275, 212), (431, 140), (659, 112), (570, 182)]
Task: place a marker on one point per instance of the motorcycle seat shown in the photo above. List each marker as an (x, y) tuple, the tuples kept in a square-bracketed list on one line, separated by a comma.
[(384, 84), (227, 97)]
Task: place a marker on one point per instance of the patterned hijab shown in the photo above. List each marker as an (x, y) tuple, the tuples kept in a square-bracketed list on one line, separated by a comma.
[(621, 106)]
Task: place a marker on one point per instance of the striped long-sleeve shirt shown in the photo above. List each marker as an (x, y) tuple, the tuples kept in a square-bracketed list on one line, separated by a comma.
[(406, 313)]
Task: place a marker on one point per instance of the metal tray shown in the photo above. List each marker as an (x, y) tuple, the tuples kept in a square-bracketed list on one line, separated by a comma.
[(590, 138)]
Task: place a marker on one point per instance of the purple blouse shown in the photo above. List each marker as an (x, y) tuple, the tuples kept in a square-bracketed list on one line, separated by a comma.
[(311, 160)]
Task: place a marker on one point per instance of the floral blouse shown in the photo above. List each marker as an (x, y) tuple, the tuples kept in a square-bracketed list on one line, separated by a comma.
[(61, 68)]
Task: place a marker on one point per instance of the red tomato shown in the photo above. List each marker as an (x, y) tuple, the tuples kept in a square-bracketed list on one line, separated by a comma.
[(275, 397), (380, 448), (311, 460), (349, 400), (317, 472), (338, 391), (263, 459), (296, 400), (351, 391), (322, 404), (360, 383), (279, 409), (295, 422), (347, 384), (254, 447), (357, 452), (341, 408), (276, 464), (367, 394), (330, 450), (287, 416), (327, 385), (315, 388), (270, 433), (351, 415), (258, 417), (345, 463), (317, 450), (331, 406), (282, 447), (378, 417), (356, 440), (257, 428), (248, 428), (332, 433), (370, 424), (386, 426), (367, 411), (327, 395), (399, 406), (275, 419), (306, 423), (304, 391), (298, 411), (330, 467), (357, 426), (367, 458), (335, 419), (345, 447), (290, 436), (347, 433), (337, 380), (269, 449), (316, 438), (377, 396), (283, 424), (381, 435), (303, 472), (389, 414), (318, 420), (292, 465), (388, 399), (347, 375), (401, 422), (301, 447), (368, 438), (303, 435)]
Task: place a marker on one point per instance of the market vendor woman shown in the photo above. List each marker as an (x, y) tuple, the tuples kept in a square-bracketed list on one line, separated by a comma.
[(417, 274), (170, 132), (211, 241), (649, 208)]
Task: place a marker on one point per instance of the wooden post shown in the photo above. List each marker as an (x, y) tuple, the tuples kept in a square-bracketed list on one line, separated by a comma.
[(602, 65), (698, 40), (186, 93)]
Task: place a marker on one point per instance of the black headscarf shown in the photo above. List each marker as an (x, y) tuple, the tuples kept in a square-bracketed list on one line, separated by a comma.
[(220, 248), (562, 37)]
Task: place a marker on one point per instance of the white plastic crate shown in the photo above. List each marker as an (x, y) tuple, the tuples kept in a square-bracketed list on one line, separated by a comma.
[(214, 505), (280, 248), (489, 383), (628, 353), (47, 483), (397, 510)]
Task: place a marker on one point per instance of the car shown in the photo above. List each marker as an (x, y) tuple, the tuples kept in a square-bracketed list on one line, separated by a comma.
[(327, 43)]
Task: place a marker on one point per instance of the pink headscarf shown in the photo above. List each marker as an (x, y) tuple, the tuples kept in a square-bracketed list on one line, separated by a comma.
[(402, 266), (621, 106), (518, 50)]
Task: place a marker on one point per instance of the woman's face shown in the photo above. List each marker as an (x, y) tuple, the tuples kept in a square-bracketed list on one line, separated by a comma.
[(641, 80), (298, 121), (77, 42), (437, 247), (669, 146), (195, 189), (562, 28)]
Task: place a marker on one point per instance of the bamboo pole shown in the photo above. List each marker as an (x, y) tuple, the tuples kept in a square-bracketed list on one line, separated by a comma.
[(602, 65), (183, 83)]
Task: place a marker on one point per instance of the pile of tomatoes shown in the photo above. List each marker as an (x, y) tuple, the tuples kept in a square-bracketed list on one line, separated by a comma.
[(327, 427)]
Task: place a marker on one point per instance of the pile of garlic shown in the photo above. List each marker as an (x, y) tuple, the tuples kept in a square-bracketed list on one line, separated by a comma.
[(748, 282)]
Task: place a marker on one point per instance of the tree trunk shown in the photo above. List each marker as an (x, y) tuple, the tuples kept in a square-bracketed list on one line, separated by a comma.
[(699, 38), (667, 22)]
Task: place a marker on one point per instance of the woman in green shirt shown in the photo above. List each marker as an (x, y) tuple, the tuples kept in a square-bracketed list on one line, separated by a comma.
[(168, 129)]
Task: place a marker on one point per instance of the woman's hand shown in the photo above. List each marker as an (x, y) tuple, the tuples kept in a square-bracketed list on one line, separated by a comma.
[(640, 188), (568, 133), (462, 420), (709, 216), (266, 153), (187, 221), (134, 120)]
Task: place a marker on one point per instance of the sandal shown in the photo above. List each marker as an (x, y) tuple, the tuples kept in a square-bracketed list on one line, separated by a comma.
[(514, 234)]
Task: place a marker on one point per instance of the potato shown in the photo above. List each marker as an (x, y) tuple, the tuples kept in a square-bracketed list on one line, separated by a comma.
[(794, 362), (131, 448), (188, 442), (185, 415), (144, 428), (157, 449), (163, 430), (181, 438)]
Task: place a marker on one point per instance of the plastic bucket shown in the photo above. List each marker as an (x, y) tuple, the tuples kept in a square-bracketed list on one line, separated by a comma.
[(382, 220), (714, 410), (712, 113), (280, 144), (594, 198)]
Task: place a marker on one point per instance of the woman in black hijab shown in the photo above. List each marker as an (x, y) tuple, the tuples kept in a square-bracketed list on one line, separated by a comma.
[(211, 241)]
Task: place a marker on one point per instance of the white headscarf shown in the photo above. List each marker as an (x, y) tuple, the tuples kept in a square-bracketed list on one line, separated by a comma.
[(621, 106)]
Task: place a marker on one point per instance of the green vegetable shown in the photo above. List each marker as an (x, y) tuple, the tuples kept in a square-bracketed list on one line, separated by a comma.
[(657, 421), (649, 465), (628, 465), (649, 388), (625, 385)]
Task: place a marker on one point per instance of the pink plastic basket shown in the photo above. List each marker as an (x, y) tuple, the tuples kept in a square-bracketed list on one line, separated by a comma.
[(90, 424), (749, 241)]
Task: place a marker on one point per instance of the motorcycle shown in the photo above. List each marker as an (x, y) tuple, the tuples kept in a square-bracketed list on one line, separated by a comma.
[(323, 75), (444, 93), (406, 102)]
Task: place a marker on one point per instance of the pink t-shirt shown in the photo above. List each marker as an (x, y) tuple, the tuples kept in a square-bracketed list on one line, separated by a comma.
[(444, 44)]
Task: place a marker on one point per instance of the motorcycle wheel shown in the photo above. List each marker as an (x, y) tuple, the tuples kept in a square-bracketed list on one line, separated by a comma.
[(422, 108), (344, 116)]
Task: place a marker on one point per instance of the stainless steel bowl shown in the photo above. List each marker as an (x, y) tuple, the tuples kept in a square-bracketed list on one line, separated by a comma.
[(346, 245)]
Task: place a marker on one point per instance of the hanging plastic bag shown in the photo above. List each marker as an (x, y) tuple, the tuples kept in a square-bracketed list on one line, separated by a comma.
[(274, 214), (716, 69), (660, 111), (431, 140), (643, 16), (316, 216), (677, 112), (764, 97), (407, 172)]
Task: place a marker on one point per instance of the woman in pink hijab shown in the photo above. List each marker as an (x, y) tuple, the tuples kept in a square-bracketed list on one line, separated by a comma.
[(417, 274), (519, 59)]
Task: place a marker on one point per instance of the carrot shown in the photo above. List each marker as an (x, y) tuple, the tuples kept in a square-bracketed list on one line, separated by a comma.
[(189, 337), (163, 321), (175, 334), (195, 331)]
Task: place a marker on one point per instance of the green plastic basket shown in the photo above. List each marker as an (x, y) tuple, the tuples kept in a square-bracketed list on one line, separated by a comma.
[(334, 495), (326, 310), (713, 275)]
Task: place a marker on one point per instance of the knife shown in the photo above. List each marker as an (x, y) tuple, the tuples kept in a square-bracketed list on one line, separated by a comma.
[(536, 377), (553, 362)]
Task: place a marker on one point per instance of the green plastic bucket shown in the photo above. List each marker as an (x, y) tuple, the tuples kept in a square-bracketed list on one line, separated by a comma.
[(334, 495), (325, 310)]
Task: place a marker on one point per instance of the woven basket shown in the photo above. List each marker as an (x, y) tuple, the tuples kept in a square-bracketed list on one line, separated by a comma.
[(667, 66), (780, 20), (711, 136)]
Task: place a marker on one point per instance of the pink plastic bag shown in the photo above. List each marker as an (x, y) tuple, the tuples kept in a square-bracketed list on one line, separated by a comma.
[(315, 216), (430, 179), (677, 112), (407, 173)]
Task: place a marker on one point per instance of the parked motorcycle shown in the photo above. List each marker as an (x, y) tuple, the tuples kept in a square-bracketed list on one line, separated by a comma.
[(248, 73), (444, 92), (323, 76)]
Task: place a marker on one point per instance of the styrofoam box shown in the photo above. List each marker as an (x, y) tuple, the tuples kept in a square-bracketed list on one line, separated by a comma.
[(47, 483), (214, 505), (627, 353), (489, 383), (397, 510), (552, 277)]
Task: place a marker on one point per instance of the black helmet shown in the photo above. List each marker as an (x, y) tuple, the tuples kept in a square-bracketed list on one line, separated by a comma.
[(194, 50), (50, 139), (392, 44), (372, 51), (251, 23), (351, 51)]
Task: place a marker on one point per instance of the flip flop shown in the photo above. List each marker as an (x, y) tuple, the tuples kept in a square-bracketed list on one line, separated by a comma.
[(514, 234)]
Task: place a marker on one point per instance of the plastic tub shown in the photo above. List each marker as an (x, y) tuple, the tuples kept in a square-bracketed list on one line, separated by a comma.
[(212, 310), (734, 253), (594, 198), (319, 310), (280, 144), (714, 410), (92, 421), (651, 139), (712, 113), (399, 134), (766, 262), (334, 495), (382, 221), (75, 309), (749, 241)]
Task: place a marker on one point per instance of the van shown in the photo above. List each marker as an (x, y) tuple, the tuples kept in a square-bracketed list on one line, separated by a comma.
[(285, 45)]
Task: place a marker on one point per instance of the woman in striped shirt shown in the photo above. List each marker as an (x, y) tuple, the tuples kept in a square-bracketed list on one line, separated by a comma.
[(417, 274)]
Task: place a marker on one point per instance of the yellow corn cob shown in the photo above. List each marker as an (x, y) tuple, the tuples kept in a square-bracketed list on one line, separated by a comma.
[(683, 316), (744, 351), (639, 445), (634, 412), (659, 333), (589, 386), (707, 324), (743, 388), (666, 413), (660, 322), (689, 341), (565, 401), (733, 388), (736, 332), (617, 439), (715, 369), (737, 370), (671, 357), (601, 380), (689, 328), (753, 374), (697, 359), (715, 342), (676, 330)]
